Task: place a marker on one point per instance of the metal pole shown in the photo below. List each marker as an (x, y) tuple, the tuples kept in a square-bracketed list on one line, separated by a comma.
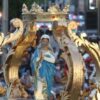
[(4, 24), (5, 17), (45, 5), (85, 10), (98, 17)]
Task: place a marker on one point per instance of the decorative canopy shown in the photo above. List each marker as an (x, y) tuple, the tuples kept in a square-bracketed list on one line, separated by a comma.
[(54, 13), (36, 9)]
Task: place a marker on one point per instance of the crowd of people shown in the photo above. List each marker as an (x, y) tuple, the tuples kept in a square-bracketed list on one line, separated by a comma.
[(90, 85)]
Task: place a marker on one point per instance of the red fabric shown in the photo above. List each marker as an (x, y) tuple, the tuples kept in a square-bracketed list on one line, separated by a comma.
[(66, 70), (89, 59)]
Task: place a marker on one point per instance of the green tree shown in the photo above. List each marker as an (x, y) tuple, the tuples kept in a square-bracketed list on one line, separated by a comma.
[(0, 5), (29, 2), (15, 6)]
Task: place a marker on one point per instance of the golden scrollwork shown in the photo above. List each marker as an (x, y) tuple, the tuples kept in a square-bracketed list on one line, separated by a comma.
[(15, 54), (92, 48), (75, 66)]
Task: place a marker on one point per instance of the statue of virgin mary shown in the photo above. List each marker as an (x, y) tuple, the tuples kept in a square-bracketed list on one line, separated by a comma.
[(43, 67)]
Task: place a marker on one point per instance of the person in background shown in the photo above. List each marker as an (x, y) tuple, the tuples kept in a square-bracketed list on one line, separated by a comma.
[(27, 81), (89, 91), (23, 66), (56, 52), (58, 85), (90, 69), (93, 88)]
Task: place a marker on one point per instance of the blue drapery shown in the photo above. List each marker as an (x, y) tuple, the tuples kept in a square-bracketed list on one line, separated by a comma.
[(46, 71)]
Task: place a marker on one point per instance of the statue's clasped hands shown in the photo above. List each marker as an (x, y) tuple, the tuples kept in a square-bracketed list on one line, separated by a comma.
[(41, 56)]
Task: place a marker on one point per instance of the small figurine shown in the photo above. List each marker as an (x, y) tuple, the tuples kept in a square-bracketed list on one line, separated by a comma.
[(24, 9), (54, 9), (66, 9), (36, 8)]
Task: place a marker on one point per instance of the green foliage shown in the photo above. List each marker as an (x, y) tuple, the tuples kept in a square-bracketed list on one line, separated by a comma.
[(0, 5), (15, 6), (30, 2)]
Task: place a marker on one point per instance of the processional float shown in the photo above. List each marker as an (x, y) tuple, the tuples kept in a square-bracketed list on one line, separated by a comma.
[(25, 36)]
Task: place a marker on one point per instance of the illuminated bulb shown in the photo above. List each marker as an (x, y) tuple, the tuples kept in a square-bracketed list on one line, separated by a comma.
[(83, 34)]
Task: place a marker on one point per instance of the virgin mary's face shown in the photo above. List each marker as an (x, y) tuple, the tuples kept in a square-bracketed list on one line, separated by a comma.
[(44, 42)]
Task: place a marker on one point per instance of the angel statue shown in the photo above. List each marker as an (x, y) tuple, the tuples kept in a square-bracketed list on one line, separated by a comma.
[(12, 37)]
